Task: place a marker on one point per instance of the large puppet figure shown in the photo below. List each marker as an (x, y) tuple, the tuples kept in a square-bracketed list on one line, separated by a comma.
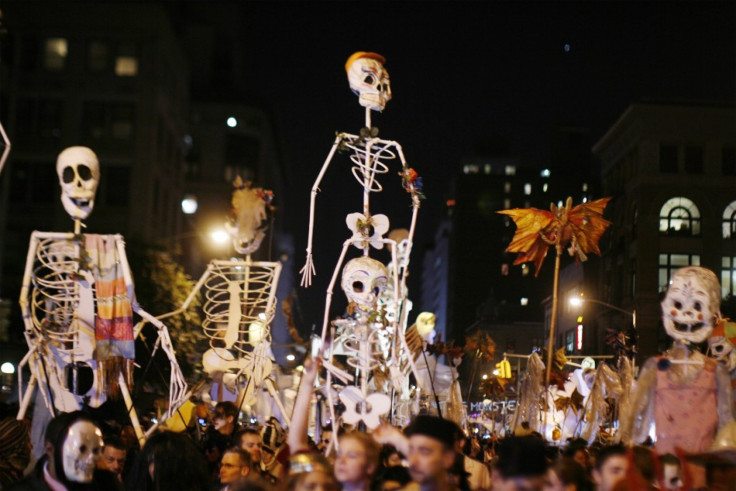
[(686, 395), (370, 337), (78, 302), (239, 306)]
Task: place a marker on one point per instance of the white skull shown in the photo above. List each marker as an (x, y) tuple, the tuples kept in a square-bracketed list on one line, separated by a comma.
[(723, 351), (363, 280), (79, 173), (81, 450), (369, 79), (692, 304)]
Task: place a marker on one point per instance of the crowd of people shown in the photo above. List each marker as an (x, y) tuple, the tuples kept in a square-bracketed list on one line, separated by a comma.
[(430, 454)]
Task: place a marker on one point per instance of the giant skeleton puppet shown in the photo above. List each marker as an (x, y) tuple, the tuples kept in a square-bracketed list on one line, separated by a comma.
[(239, 306), (78, 302), (686, 395), (371, 336)]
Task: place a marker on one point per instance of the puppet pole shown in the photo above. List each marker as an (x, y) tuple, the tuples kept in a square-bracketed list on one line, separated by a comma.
[(553, 321)]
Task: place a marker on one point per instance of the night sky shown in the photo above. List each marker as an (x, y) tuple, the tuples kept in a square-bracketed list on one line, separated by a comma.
[(462, 73)]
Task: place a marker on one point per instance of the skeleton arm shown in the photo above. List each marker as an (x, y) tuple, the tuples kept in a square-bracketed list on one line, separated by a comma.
[(308, 270), (177, 384), (724, 394), (635, 425)]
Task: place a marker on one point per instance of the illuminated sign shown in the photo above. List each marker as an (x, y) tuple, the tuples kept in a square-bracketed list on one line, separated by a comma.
[(579, 337)]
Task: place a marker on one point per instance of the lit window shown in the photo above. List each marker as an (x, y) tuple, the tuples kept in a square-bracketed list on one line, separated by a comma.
[(525, 269), (510, 170), (679, 216), (728, 276), (527, 189), (506, 204), (669, 263), (189, 204), (545, 187), (504, 269), (524, 301), (585, 187), (729, 221), (126, 66), (54, 54), (545, 173), (507, 187), (487, 168)]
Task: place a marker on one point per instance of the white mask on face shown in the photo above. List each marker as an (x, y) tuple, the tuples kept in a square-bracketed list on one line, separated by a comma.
[(81, 450)]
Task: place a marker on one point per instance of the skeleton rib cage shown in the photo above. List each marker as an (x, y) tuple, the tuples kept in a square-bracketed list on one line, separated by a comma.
[(367, 158), (242, 294)]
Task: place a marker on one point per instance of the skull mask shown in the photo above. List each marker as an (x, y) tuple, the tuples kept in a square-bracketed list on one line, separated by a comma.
[(692, 304), (79, 173), (363, 280), (723, 351), (369, 79), (81, 450)]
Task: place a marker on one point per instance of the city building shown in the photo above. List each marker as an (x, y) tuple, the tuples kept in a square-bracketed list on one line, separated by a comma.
[(671, 170)]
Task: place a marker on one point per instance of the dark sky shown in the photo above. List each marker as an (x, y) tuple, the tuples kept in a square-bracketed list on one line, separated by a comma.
[(462, 72)]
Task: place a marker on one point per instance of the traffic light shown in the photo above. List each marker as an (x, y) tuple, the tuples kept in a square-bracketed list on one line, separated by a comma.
[(504, 369)]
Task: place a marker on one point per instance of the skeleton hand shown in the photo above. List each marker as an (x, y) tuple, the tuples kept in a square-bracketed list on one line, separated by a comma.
[(307, 271)]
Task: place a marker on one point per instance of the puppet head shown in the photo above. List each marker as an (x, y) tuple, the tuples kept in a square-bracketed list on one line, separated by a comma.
[(79, 173), (369, 79), (363, 280), (721, 348), (249, 213), (692, 304), (80, 449)]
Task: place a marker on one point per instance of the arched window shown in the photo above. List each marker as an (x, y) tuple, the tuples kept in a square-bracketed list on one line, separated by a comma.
[(729, 221), (679, 216)]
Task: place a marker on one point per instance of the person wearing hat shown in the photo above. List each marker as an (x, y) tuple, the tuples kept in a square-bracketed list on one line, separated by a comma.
[(521, 464)]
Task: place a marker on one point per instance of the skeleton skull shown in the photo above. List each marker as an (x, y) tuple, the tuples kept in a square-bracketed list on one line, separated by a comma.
[(692, 304), (79, 173), (81, 450), (722, 350), (369, 79), (363, 280)]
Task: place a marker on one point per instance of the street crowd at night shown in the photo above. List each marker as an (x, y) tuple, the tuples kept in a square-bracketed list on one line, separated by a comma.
[(160, 368)]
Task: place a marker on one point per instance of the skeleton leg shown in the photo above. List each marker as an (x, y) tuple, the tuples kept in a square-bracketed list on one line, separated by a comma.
[(272, 390)]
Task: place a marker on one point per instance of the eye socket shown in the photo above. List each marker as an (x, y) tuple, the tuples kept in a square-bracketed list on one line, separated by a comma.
[(83, 448), (358, 286), (697, 306), (376, 290), (369, 80), (84, 172), (678, 304), (67, 175)]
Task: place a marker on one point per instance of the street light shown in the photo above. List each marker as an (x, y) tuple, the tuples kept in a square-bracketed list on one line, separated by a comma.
[(578, 301)]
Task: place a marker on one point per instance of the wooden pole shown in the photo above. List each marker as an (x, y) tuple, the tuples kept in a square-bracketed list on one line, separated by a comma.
[(553, 321)]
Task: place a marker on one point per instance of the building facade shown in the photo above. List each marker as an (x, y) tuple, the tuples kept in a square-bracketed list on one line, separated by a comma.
[(671, 170)]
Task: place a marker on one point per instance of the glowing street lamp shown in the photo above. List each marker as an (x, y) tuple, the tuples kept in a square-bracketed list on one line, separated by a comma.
[(578, 301)]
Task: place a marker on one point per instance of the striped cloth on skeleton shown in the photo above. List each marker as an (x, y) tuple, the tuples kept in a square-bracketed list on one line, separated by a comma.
[(114, 347)]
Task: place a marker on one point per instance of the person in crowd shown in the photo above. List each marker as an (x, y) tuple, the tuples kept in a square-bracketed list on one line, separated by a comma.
[(390, 457), (566, 475), (521, 464), (250, 440), (15, 450), (113, 457), (309, 469), (391, 478), (169, 461), (221, 434), (479, 476), (611, 466), (234, 465), (325, 438), (72, 446), (578, 451), (356, 461), (457, 473)]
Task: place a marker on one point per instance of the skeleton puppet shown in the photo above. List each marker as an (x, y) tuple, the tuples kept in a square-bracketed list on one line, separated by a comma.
[(78, 301), (686, 395), (369, 80), (239, 304)]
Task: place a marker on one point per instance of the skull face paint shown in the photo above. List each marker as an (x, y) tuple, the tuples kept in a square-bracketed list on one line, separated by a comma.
[(692, 304), (369, 79), (79, 173), (81, 450), (363, 280)]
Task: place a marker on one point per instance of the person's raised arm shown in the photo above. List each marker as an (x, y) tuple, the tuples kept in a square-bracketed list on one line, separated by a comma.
[(300, 416)]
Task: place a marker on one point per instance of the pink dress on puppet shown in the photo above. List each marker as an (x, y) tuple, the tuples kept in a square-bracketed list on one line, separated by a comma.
[(686, 414)]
